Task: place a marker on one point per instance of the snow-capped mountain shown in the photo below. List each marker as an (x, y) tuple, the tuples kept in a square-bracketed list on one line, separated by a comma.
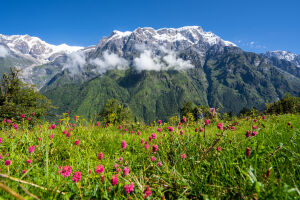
[(285, 55), (34, 48)]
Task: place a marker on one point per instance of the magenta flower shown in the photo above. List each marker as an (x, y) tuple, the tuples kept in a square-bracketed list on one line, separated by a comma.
[(28, 118), (100, 156), (51, 136), (76, 142), (23, 115), (4, 121), (102, 178), (219, 149), (142, 141), (75, 117), (153, 158), (220, 126), (196, 130), (184, 119), (183, 156), (159, 122), (68, 134), (53, 126), (138, 133), (124, 144), (254, 133), (181, 132), (0, 140), (7, 162), (8, 121), (154, 148), (153, 135), (206, 122), (120, 127), (129, 188), (147, 146), (15, 126), (248, 133), (114, 179), (33, 113), (121, 159), (76, 177), (99, 169), (147, 192), (159, 164), (31, 149), (150, 138), (66, 171), (159, 130), (29, 161), (24, 171), (126, 171), (97, 123)]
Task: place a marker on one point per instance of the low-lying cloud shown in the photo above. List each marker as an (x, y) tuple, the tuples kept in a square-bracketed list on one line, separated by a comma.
[(169, 60), (109, 61), (75, 62), (3, 52)]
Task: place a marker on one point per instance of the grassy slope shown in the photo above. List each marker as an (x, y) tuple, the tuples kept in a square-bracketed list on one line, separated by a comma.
[(225, 174)]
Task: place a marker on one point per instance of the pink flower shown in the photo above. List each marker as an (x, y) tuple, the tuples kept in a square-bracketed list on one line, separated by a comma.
[(159, 164), (232, 128), (100, 156), (153, 158), (24, 171), (66, 171), (29, 161), (159, 130), (179, 124), (102, 178), (90, 171), (40, 138), (170, 128), (23, 115), (181, 132), (114, 180), (4, 121), (99, 169), (129, 188), (248, 133), (147, 146), (254, 127), (255, 120), (142, 141), (120, 127), (8, 121), (116, 165), (97, 123), (68, 134), (0, 140), (33, 113), (147, 192), (15, 126), (126, 171), (53, 126), (196, 130), (132, 132), (7, 162), (183, 156), (206, 122), (150, 138), (51, 136), (76, 177), (263, 117), (220, 126), (201, 129), (31, 149), (154, 148), (153, 135), (254, 133), (75, 117), (28, 118), (159, 122), (138, 133), (121, 159), (76, 142), (219, 149), (184, 119), (124, 144)]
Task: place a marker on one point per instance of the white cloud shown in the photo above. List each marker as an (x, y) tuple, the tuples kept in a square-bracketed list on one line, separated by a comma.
[(149, 61), (109, 61), (3, 51), (75, 62)]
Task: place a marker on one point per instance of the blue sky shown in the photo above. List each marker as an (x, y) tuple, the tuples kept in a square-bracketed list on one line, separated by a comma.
[(254, 25)]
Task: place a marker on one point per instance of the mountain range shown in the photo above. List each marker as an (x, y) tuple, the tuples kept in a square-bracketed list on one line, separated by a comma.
[(154, 72)]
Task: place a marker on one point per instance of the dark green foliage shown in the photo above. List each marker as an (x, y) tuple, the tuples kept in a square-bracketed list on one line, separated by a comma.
[(187, 108), (115, 113), (17, 98), (288, 104)]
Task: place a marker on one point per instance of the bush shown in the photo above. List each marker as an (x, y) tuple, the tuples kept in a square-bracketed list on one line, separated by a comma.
[(288, 104), (18, 98)]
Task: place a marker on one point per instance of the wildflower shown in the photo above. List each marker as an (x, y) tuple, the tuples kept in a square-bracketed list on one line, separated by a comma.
[(114, 180), (254, 133), (183, 156), (51, 136), (196, 130), (0, 140), (33, 113), (53, 126), (184, 119), (230, 141), (76, 142), (147, 192), (171, 129), (153, 158), (159, 164), (153, 135), (1, 157), (219, 149), (75, 117), (99, 169), (126, 171), (66, 171), (142, 141), (121, 159), (15, 126), (206, 122), (40, 138), (8, 121), (181, 132), (220, 126), (255, 120), (120, 127), (4, 121), (248, 133), (232, 128), (159, 122), (29, 161), (263, 117), (129, 188), (23, 115), (28, 118), (154, 148), (90, 171), (289, 123), (76, 177), (254, 127), (201, 129), (7, 162), (116, 165), (97, 123), (68, 134), (159, 130), (24, 171), (179, 127), (138, 133), (31, 149), (150, 138), (147, 146), (179, 124), (100, 156), (248, 151), (102, 178), (124, 144)]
